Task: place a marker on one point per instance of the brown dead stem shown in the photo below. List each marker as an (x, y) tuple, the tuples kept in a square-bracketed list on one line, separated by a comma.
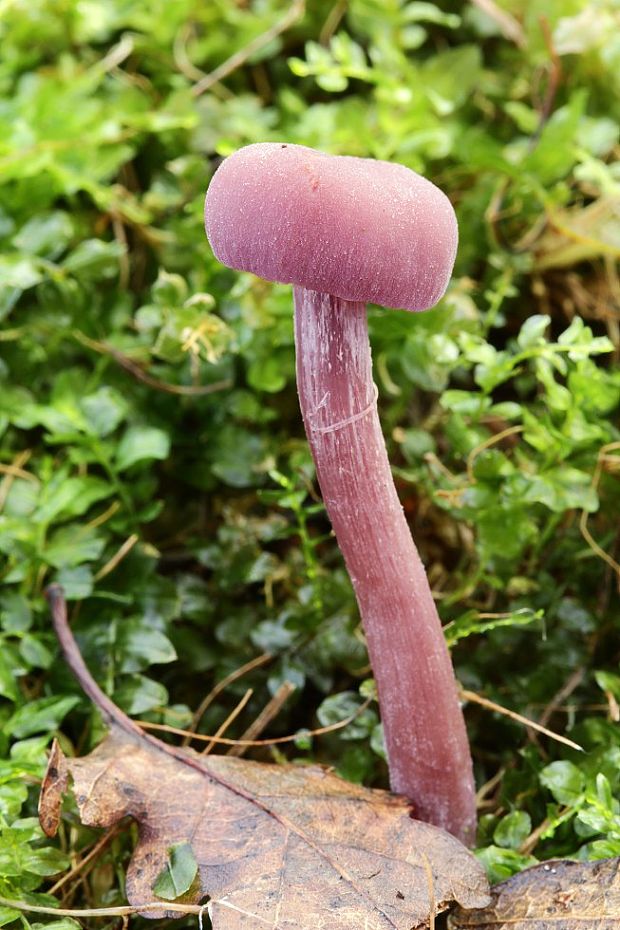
[(276, 740), (230, 719), (269, 712), (190, 734), (530, 724), (182, 390), (611, 463), (239, 58)]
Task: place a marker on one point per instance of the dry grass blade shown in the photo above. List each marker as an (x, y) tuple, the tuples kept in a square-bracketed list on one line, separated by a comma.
[(491, 441), (509, 27), (531, 724), (573, 682), (603, 458), (118, 557), (217, 690), (85, 860), (123, 910), (230, 719), (277, 740), (295, 12), (12, 472), (134, 369), (267, 714)]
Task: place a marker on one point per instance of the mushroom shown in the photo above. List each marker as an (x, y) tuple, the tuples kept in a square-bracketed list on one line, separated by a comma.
[(345, 231)]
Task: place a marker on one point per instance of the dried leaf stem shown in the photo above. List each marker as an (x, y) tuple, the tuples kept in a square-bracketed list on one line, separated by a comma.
[(229, 719), (276, 740), (183, 390), (238, 59), (531, 724), (271, 710), (217, 690), (121, 911)]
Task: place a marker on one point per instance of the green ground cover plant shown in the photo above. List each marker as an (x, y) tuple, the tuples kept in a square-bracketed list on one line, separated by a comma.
[(152, 457)]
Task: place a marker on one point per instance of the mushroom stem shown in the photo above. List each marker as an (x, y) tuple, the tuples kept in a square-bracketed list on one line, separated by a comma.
[(425, 736)]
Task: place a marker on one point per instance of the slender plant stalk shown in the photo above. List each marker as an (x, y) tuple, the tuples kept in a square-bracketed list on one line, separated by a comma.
[(426, 740)]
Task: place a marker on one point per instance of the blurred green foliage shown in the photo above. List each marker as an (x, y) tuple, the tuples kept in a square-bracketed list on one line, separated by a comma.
[(152, 458)]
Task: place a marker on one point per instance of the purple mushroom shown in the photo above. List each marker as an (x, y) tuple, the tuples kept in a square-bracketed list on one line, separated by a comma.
[(346, 231)]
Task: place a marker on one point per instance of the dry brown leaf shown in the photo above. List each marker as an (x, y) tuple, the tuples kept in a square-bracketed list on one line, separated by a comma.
[(286, 846), (558, 895)]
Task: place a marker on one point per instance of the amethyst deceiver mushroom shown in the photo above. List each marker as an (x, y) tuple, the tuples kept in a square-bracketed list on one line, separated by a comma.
[(345, 231)]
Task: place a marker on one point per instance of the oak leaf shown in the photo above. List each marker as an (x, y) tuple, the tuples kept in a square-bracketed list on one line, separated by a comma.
[(556, 895), (278, 845)]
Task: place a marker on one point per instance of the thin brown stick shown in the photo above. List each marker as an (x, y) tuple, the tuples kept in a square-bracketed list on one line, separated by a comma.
[(528, 844), (489, 786), (555, 77), (491, 441), (7, 482), (573, 682), (276, 740), (118, 557), (105, 516), (509, 27), (238, 59), (334, 18), (230, 719), (16, 472), (271, 710), (94, 852), (217, 690), (601, 459), (123, 261), (182, 59), (10, 335), (183, 390), (117, 54), (491, 705), (127, 910), (102, 911)]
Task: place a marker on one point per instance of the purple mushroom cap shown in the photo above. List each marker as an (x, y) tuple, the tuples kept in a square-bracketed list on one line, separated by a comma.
[(356, 228)]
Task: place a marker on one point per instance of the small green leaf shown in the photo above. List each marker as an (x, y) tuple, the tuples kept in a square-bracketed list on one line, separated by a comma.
[(94, 259), (8, 684), (7, 916), (502, 863), (532, 333), (45, 861), (77, 583), (43, 714), (513, 829), (19, 273), (34, 652), (564, 780), (338, 707), (70, 498), (139, 645), (46, 234), (265, 374), (178, 875), (138, 694), (104, 410), (15, 613), (469, 624), (73, 544), (142, 443), (609, 683)]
